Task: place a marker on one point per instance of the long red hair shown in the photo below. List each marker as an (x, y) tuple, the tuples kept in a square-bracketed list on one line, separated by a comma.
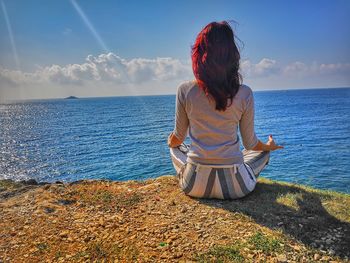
[(215, 63)]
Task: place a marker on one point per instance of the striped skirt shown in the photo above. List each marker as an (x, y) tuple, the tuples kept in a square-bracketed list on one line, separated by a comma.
[(219, 181)]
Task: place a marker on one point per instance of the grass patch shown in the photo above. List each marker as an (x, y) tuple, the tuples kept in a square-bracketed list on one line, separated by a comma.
[(290, 200), (125, 200), (221, 254), (98, 251), (42, 247), (266, 244), (80, 255), (109, 199), (7, 184), (59, 254), (103, 196), (163, 244)]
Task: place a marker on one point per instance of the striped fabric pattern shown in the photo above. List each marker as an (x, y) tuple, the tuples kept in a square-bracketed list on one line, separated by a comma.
[(220, 181), (223, 183)]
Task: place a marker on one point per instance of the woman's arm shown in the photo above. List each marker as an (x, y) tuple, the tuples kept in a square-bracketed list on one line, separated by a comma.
[(181, 121), (246, 123), (246, 126), (269, 146)]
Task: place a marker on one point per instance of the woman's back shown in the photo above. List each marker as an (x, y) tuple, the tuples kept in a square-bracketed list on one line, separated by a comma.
[(213, 133), (210, 110)]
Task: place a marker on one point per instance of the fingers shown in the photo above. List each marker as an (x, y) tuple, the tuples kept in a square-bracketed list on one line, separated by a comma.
[(278, 147), (272, 143)]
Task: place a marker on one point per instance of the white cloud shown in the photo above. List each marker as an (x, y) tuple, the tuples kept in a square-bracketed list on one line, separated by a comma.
[(314, 68), (295, 69), (269, 67), (263, 68), (109, 74), (104, 68)]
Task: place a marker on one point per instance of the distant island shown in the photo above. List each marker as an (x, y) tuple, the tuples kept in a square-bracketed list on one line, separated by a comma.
[(71, 97)]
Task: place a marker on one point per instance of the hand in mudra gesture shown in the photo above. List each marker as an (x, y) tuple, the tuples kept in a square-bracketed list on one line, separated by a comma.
[(272, 145)]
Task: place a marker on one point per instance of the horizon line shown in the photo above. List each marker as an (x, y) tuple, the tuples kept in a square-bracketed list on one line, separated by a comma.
[(167, 94)]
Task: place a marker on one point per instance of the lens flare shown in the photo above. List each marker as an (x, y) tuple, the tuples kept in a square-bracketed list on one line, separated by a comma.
[(9, 28), (89, 25)]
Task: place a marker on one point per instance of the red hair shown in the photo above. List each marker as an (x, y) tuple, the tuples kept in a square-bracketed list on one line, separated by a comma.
[(215, 63)]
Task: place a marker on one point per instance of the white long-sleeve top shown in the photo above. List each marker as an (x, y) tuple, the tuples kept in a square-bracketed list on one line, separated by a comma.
[(213, 133)]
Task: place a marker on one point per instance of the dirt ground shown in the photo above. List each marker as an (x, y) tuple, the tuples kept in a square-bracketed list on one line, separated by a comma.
[(153, 221)]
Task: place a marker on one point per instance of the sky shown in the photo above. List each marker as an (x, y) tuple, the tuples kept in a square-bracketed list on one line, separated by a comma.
[(58, 48)]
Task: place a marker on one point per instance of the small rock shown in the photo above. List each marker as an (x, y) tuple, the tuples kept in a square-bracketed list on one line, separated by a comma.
[(296, 247), (331, 252), (183, 210), (317, 256), (64, 233), (281, 258), (30, 182), (329, 241), (49, 210), (65, 202), (178, 255)]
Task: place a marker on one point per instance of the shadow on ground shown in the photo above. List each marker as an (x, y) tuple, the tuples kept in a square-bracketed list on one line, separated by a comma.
[(297, 212)]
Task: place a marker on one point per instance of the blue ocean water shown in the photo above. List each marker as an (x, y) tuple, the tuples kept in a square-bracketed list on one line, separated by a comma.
[(122, 138)]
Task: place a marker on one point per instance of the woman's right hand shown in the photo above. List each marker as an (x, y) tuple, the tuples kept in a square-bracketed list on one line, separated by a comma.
[(272, 145)]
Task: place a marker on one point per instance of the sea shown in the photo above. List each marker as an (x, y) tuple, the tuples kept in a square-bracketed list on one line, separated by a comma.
[(122, 138)]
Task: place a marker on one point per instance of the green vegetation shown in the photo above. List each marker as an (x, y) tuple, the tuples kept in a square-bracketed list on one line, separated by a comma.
[(266, 244), (237, 252), (111, 200), (9, 185), (163, 244), (42, 247), (103, 196), (97, 251), (221, 254)]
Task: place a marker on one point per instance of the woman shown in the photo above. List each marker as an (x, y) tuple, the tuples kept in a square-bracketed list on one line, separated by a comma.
[(211, 109)]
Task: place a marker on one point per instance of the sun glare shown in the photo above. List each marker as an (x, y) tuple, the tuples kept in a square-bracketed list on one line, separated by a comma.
[(9, 28), (89, 25)]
